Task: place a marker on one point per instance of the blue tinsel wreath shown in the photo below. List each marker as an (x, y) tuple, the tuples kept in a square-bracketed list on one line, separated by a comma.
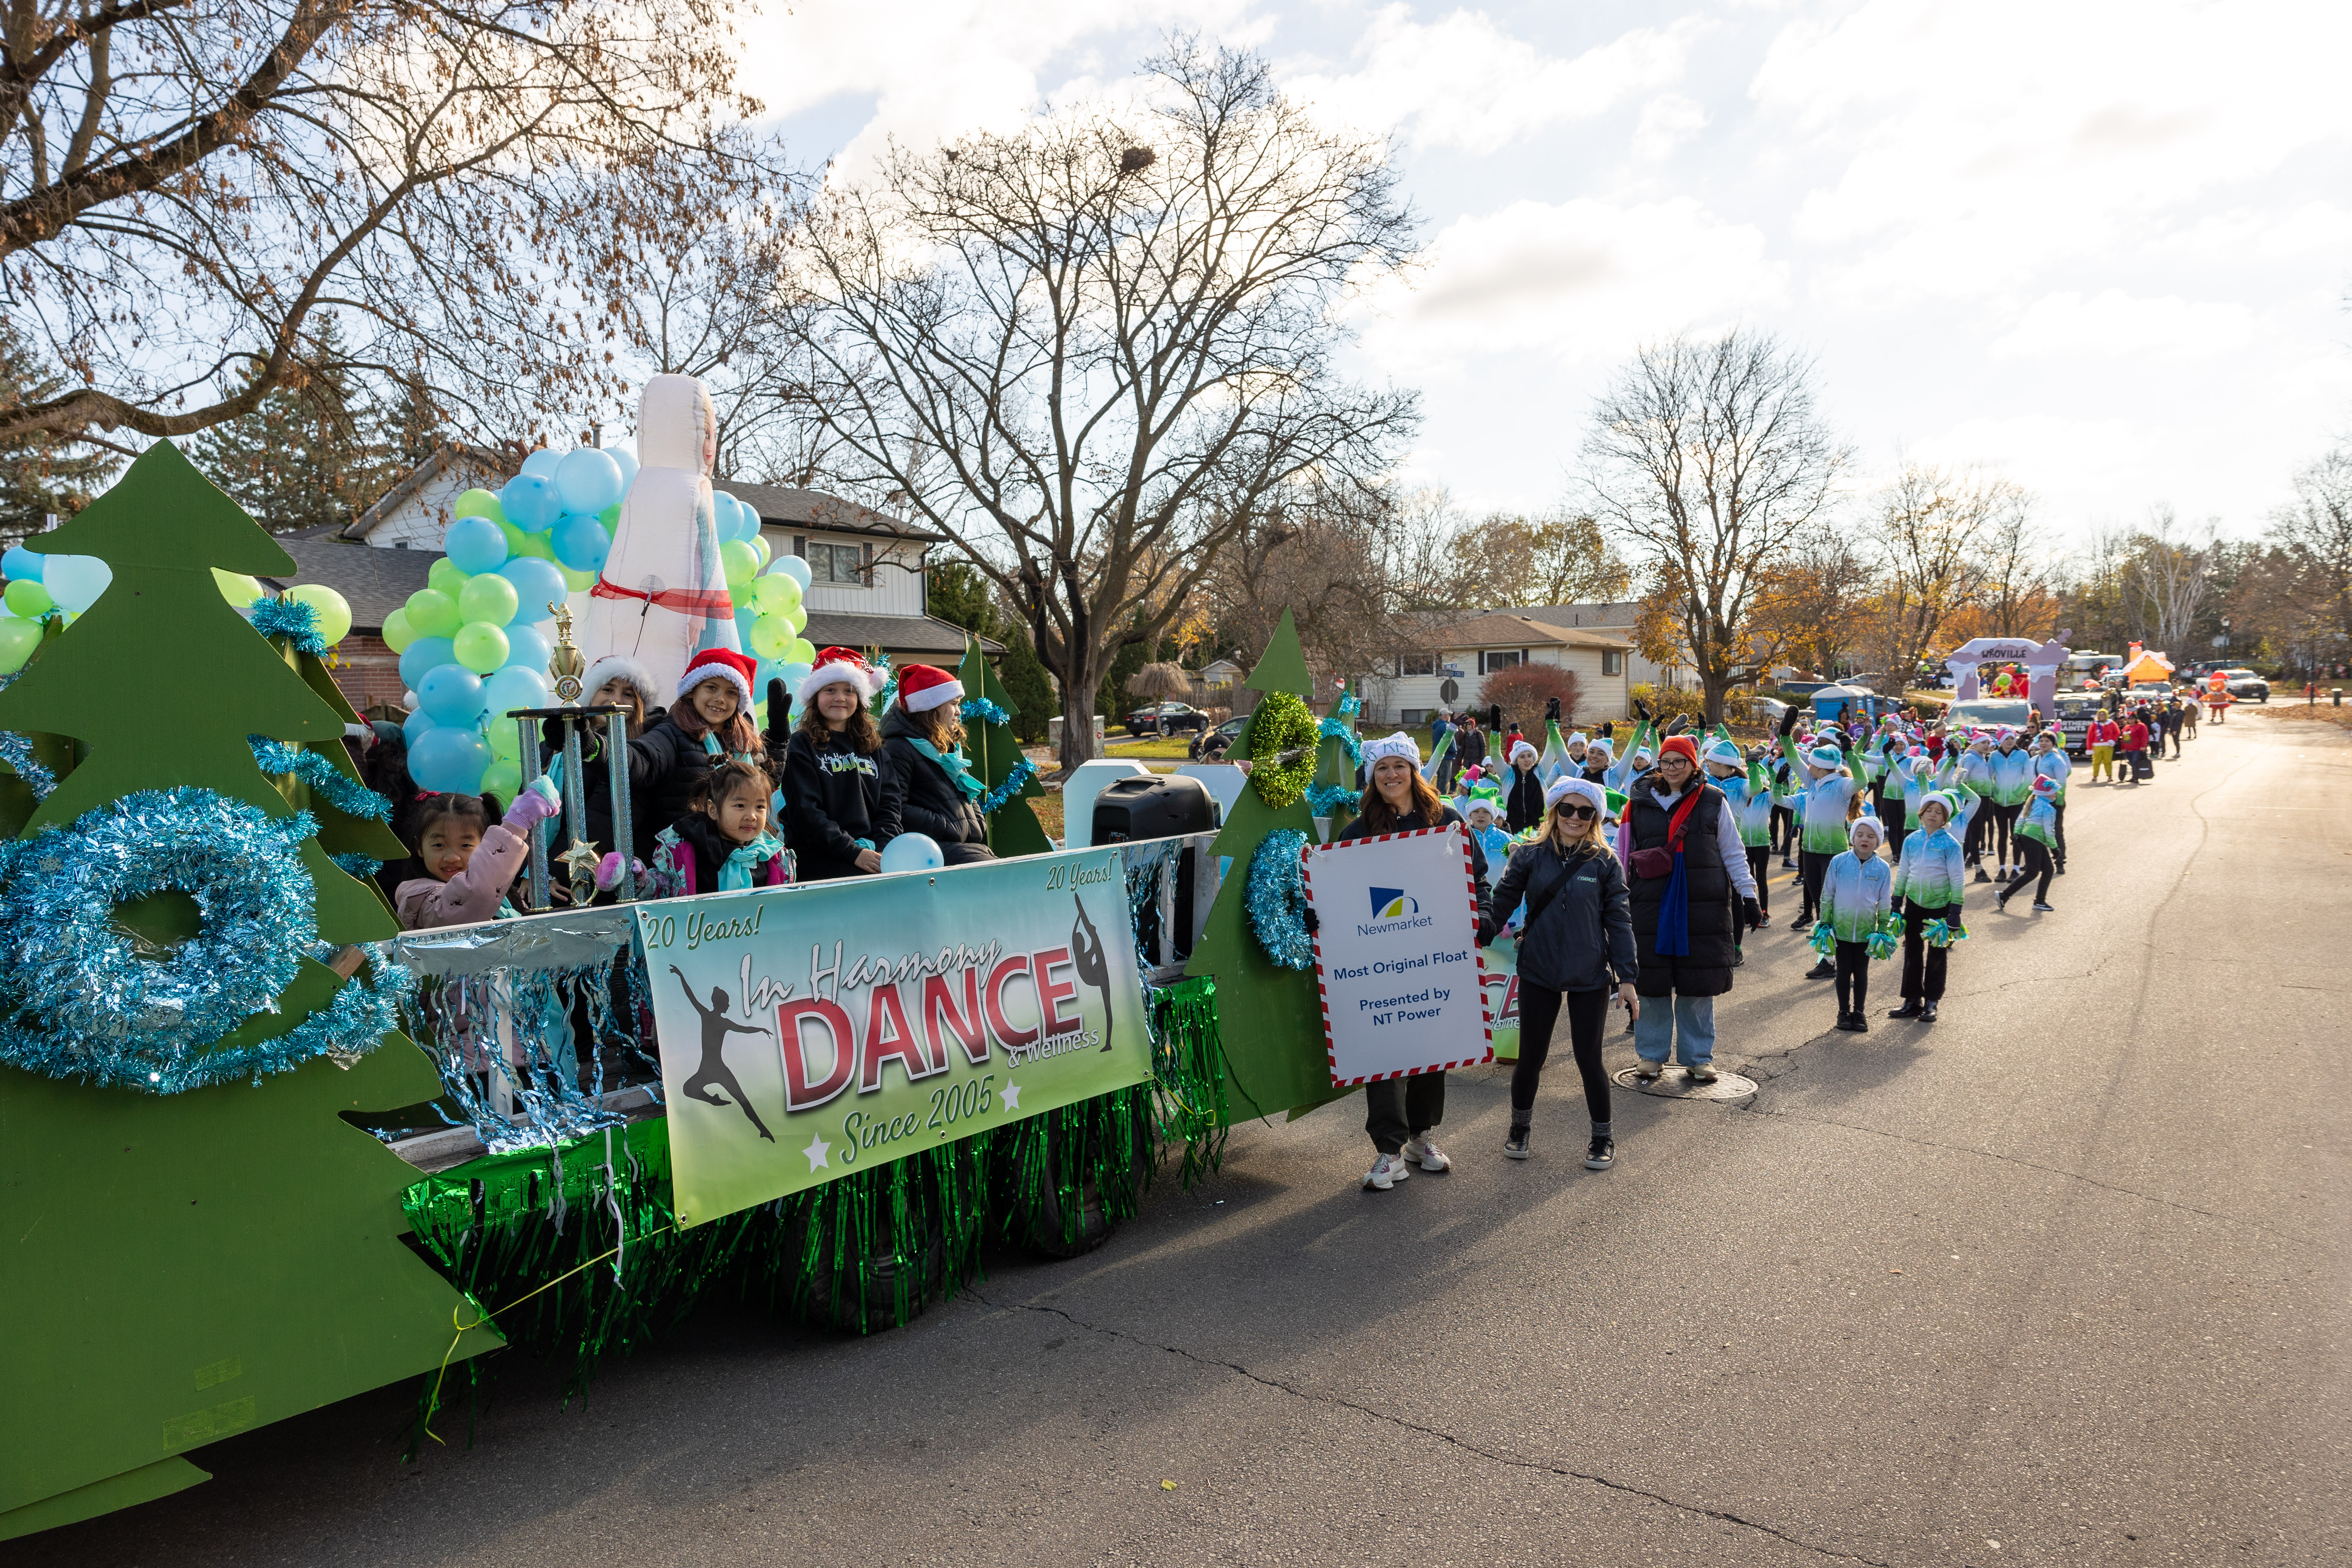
[(1339, 730), (1321, 798), (1276, 898), (1023, 772), (986, 711), (292, 619), (16, 750), (82, 1002), (326, 780)]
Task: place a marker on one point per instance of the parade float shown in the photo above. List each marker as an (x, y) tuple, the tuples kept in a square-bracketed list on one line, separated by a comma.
[(264, 1150)]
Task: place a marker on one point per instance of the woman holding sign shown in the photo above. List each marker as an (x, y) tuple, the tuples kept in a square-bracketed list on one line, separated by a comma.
[(1691, 885), (1578, 938), (1399, 1112)]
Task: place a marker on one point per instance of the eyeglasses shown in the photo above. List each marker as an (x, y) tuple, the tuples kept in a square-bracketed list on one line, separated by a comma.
[(1577, 813)]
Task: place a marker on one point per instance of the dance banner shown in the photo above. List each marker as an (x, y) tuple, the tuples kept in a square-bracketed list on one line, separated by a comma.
[(814, 1030), (1396, 955)]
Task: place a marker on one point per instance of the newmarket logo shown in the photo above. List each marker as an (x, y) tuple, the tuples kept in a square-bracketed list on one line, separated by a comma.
[(1390, 903)]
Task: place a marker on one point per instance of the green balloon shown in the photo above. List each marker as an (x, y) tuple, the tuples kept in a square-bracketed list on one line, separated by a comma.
[(433, 614), (773, 595), (742, 562), (479, 503), (397, 633), (503, 779), (771, 635), (609, 516), (28, 599), (798, 615), (800, 650), (480, 646), (17, 641), (445, 577), (515, 537), (489, 599), (576, 581), (531, 544)]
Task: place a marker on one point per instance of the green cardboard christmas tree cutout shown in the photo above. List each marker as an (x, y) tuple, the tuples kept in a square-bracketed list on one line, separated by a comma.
[(1272, 1021), (339, 833), (1336, 767), (993, 753), (192, 1265)]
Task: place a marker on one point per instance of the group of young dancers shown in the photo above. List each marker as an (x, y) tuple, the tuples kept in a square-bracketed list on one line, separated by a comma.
[(1886, 826)]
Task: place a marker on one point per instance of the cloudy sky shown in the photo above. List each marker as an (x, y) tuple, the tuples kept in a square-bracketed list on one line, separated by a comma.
[(2106, 246)]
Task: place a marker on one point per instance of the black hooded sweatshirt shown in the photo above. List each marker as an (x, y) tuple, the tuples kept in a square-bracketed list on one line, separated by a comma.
[(918, 792), (833, 797)]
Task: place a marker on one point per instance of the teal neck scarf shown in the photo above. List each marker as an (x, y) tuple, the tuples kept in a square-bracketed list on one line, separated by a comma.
[(953, 766), (740, 869)]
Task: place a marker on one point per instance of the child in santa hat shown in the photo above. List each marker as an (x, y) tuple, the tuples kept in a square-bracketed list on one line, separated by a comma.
[(709, 723), (837, 811), (926, 787)]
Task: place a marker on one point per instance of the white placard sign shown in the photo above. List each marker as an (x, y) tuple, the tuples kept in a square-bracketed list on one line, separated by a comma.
[(1396, 955)]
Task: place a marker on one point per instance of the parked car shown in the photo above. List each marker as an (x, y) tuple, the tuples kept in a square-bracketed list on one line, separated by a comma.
[(2246, 686), (1988, 713), (1766, 711), (2075, 712), (1212, 743), (1166, 719)]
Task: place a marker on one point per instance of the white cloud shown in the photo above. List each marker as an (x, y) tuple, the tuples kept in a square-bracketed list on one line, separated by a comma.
[(1668, 121), (1462, 82), (1581, 279), (2112, 323)]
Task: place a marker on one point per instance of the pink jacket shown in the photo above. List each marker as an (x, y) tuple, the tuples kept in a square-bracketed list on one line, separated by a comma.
[(473, 894)]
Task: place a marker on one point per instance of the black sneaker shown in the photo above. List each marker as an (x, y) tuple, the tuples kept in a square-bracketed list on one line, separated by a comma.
[(1855, 1024), (1800, 922), (1927, 1013), (1912, 1007), (1981, 875), (1514, 1147), (1602, 1154), (1824, 970)]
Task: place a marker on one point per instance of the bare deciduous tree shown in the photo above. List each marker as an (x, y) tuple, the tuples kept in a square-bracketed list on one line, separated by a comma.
[(1707, 459), (1813, 606), (2316, 532), (188, 185), (1091, 352), (2170, 577), (1930, 525)]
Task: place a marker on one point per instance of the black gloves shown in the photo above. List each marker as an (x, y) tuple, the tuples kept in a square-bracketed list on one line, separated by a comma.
[(1551, 710), (1309, 920), (1789, 722), (1845, 742), (1609, 730), (1752, 912), (1676, 728), (1641, 708)]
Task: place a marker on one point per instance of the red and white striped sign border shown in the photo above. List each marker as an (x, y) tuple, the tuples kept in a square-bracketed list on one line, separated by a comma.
[(1323, 992)]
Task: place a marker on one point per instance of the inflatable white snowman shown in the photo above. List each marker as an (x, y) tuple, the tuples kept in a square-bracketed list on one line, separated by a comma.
[(662, 595)]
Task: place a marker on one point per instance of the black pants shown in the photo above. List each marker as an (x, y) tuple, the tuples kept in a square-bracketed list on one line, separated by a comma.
[(2128, 763), (1810, 868), (1399, 1108), (1853, 977), (1759, 856), (2034, 860), (1980, 825), (1539, 1010), (1784, 829), (1923, 966), (2004, 830), (2059, 808)]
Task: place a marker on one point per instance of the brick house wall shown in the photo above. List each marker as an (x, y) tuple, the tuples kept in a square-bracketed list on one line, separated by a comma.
[(368, 672)]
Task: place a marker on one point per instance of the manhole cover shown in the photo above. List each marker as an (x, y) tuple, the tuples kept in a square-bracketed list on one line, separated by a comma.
[(1675, 1084)]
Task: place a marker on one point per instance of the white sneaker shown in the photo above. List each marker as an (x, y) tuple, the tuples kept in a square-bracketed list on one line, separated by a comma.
[(1701, 1072), (1425, 1151), (1648, 1072), (1387, 1171)]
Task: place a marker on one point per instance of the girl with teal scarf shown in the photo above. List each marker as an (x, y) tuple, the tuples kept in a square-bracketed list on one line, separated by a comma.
[(926, 784)]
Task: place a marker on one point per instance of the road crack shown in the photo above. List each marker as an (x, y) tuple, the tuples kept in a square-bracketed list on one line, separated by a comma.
[(1311, 1397)]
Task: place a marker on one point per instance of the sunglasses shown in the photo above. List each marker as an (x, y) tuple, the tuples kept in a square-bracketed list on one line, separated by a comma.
[(1575, 813)]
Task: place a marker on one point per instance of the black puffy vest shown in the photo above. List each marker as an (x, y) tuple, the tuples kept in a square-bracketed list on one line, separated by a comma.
[(1705, 970)]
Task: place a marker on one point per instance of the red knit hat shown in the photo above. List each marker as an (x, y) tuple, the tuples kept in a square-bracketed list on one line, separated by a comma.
[(922, 688), (843, 665), (1684, 744), (726, 665)]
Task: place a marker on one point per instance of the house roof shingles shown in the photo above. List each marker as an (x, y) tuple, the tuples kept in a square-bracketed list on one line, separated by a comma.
[(1500, 630), (781, 506), (376, 582)]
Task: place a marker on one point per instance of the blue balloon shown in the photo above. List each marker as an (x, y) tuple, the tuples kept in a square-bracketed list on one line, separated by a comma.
[(416, 725), (530, 503), (581, 543), (528, 649), (628, 462), (475, 545), (21, 565), (588, 480), (451, 694), (537, 586), (907, 852), (445, 758), (423, 656), (512, 688), (542, 464), (75, 582), (792, 566), (726, 514)]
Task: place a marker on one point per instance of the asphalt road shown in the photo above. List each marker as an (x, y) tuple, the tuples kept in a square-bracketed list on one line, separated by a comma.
[(2061, 1280)]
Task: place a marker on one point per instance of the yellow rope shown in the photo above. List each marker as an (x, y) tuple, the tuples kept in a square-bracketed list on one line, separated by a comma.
[(433, 1404)]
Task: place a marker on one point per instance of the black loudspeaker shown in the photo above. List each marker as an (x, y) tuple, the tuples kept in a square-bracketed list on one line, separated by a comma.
[(1155, 807)]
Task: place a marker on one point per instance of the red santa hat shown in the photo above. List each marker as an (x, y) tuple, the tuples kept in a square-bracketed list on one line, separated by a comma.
[(842, 665), (922, 688), (723, 664)]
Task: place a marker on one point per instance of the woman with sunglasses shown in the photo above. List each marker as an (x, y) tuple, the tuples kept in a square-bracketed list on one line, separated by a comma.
[(1578, 940)]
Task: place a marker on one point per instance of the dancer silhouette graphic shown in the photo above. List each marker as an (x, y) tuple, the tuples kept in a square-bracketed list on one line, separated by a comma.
[(714, 1071), (1094, 968)]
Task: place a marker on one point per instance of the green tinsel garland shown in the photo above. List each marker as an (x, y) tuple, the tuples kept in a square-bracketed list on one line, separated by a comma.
[(1188, 1073), (1281, 723)]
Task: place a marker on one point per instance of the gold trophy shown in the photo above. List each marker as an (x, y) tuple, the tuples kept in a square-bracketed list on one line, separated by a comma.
[(565, 664)]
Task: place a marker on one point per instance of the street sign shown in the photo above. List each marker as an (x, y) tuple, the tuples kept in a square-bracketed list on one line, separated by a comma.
[(1449, 691)]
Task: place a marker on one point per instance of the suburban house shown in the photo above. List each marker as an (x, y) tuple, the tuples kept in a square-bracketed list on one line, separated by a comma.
[(1464, 652), (868, 571), (1618, 617)]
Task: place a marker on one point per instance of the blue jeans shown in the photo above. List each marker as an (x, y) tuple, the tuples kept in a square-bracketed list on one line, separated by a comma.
[(1663, 1018)]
